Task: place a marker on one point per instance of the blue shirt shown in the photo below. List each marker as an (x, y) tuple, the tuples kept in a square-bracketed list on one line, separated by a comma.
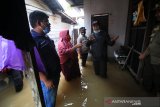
[(48, 55)]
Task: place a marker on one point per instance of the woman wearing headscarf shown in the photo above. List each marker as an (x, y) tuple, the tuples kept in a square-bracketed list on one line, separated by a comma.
[(68, 56)]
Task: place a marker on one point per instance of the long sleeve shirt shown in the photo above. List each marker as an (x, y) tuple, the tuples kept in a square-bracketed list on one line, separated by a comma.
[(100, 44), (154, 46), (48, 55)]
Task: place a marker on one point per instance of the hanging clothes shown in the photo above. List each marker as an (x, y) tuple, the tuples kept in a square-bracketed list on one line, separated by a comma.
[(10, 56), (140, 17)]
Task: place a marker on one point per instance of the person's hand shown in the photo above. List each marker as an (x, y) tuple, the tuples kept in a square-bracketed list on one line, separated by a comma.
[(141, 56), (79, 56), (49, 84), (92, 38), (114, 38), (78, 45)]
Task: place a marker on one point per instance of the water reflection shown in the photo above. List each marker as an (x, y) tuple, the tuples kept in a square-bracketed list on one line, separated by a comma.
[(68, 104), (90, 90), (83, 85), (84, 103), (15, 64)]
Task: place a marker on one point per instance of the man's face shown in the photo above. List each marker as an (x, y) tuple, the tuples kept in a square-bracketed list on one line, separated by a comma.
[(158, 15), (45, 25), (95, 27), (83, 31)]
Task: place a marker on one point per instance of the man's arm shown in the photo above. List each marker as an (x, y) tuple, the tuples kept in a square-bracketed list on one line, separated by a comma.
[(79, 49), (110, 40), (41, 69), (91, 40), (48, 83), (145, 53)]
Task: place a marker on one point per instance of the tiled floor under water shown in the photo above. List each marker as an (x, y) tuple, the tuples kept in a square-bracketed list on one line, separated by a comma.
[(87, 91)]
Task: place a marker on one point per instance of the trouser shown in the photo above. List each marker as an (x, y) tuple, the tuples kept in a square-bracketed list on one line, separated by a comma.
[(151, 75), (100, 68), (50, 94), (17, 77), (84, 58), (70, 70), (156, 77)]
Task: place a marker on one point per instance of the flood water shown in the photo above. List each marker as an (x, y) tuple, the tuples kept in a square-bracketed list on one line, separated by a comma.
[(90, 90), (87, 91)]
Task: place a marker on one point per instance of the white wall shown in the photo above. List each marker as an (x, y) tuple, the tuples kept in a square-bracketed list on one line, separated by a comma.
[(37, 5), (56, 27), (117, 19), (54, 19)]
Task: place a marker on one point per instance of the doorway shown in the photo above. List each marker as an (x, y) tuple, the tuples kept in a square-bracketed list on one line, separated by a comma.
[(103, 20)]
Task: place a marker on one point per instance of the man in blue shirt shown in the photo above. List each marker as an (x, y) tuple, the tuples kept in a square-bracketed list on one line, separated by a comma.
[(50, 75)]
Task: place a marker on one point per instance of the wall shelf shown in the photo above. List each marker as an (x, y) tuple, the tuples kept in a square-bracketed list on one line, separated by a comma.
[(138, 36)]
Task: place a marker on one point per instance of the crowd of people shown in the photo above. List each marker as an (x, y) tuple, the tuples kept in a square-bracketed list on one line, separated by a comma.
[(50, 63)]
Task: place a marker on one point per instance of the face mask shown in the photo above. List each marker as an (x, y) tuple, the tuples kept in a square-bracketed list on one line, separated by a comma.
[(46, 30), (96, 31), (83, 33)]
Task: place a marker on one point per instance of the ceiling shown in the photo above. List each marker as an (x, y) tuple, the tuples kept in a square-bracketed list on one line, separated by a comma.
[(76, 3), (53, 5), (58, 9)]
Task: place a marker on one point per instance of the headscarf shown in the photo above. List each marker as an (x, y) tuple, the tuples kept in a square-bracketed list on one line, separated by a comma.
[(64, 35), (64, 46)]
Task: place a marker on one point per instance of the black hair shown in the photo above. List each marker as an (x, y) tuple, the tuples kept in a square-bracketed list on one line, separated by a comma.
[(82, 28), (95, 22), (37, 16)]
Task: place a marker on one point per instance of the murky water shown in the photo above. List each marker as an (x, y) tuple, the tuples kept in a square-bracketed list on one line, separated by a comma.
[(87, 91), (90, 90), (9, 98)]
